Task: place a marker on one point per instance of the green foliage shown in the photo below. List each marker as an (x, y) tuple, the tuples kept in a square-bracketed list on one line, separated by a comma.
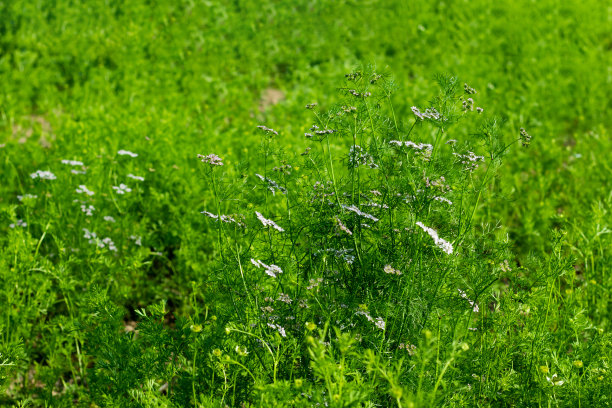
[(392, 245)]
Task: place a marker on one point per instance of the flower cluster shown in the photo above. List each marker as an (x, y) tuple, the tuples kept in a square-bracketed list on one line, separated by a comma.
[(430, 113), (353, 76), (375, 77), (225, 218), (342, 227), (374, 204), (271, 270), (110, 244), (357, 211), (322, 191), (211, 159), (443, 200), (468, 104), (267, 309), (268, 223), (127, 153), (391, 270), (139, 178), (82, 189), (525, 137), (408, 143), (410, 348), (27, 196), (440, 243), (122, 189), (357, 94), (18, 223), (272, 185), (358, 157), (101, 243), (88, 209), (283, 168), (347, 109), (319, 132), (72, 162), (474, 305), (439, 184), (424, 149), (468, 89), (268, 130), (314, 283), (469, 160), (279, 328), (43, 175), (378, 322)]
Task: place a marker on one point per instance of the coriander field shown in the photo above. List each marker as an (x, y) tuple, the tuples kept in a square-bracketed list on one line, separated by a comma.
[(306, 203)]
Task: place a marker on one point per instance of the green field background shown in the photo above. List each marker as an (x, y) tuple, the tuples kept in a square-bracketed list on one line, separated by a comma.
[(194, 75), (171, 79)]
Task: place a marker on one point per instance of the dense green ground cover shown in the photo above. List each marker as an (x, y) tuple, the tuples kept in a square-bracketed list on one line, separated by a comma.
[(130, 296)]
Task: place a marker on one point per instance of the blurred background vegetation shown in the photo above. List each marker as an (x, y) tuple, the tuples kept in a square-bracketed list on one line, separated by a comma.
[(187, 76)]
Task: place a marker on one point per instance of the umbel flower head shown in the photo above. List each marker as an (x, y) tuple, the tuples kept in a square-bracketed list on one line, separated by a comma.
[(139, 178), (43, 175), (268, 130), (127, 153), (391, 270), (268, 223), (211, 159), (525, 137), (440, 243), (122, 189), (82, 189), (72, 162), (271, 270)]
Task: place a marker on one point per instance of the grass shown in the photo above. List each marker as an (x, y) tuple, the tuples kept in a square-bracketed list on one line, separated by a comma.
[(410, 277)]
